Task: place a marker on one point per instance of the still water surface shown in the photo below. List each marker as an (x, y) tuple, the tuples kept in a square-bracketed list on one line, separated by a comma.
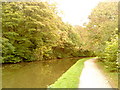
[(38, 74)]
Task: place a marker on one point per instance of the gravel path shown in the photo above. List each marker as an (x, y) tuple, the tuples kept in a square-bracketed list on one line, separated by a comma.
[(91, 76)]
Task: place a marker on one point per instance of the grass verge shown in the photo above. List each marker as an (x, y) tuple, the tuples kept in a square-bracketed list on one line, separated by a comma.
[(70, 79), (112, 77)]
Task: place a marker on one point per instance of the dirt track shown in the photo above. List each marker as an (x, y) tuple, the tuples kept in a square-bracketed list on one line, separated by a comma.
[(91, 76)]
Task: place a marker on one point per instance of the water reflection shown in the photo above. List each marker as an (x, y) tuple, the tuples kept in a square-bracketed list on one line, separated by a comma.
[(34, 74)]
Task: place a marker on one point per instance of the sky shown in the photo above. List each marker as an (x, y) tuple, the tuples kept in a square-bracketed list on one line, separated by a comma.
[(76, 12)]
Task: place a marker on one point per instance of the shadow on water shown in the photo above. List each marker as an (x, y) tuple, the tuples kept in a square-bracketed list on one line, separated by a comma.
[(37, 74)]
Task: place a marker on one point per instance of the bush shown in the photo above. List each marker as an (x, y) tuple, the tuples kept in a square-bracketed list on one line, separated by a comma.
[(110, 54)]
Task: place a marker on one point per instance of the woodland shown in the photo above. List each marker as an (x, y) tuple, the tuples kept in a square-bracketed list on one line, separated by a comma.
[(34, 31)]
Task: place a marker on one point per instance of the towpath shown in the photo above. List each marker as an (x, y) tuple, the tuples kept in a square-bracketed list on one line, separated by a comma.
[(92, 77)]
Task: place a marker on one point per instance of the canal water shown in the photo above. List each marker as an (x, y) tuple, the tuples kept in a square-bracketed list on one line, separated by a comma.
[(38, 74)]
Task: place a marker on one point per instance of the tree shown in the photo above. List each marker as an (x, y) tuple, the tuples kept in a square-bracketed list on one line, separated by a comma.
[(103, 32)]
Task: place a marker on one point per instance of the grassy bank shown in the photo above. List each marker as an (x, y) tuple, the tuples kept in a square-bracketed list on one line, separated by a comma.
[(70, 79), (112, 77)]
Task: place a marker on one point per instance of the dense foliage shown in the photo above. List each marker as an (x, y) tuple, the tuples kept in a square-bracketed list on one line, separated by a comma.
[(103, 33), (34, 31)]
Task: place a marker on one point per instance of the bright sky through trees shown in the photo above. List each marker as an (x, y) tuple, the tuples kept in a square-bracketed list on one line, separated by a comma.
[(76, 11)]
